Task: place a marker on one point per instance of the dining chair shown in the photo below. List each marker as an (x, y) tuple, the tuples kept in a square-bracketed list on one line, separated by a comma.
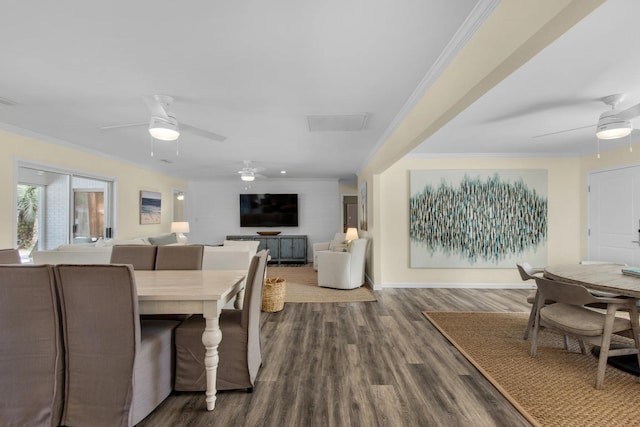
[(570, 316), (141, 257), (10, 256), (31, 347), (240, 352), (180, 257), (118, 368)]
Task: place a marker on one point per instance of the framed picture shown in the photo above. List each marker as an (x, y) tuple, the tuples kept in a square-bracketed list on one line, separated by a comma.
[(477, 218), (150, 207), (363, 206)]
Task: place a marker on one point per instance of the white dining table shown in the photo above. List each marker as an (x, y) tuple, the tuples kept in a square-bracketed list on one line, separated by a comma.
[(203, 292)]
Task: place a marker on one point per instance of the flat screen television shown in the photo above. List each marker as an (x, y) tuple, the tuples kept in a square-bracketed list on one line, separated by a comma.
[(268, 210)]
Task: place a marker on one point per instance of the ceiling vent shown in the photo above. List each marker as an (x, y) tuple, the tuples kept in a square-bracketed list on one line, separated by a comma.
[(337, 122)]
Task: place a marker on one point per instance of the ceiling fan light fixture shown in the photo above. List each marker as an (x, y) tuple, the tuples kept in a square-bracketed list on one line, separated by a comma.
[(611, 126), (164, 130), (247, 177)]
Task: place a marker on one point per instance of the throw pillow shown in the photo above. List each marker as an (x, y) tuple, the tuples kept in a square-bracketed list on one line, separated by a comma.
[(166, 239)]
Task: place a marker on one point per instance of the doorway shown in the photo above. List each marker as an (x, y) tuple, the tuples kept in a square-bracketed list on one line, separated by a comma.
[(613, 215), (349, 212)]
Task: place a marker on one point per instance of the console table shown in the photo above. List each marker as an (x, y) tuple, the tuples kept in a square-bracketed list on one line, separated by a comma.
[(281, 248)]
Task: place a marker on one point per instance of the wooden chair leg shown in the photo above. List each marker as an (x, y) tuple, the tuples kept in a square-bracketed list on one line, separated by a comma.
[(532, 317), (605, 344), (536, 331)]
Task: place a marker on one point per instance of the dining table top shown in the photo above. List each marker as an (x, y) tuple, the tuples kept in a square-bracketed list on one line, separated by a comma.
[(601, 277), (202, 285)]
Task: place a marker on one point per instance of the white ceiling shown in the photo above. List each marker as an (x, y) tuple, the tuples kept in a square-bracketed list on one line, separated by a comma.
[(253, 71), (558, 89)]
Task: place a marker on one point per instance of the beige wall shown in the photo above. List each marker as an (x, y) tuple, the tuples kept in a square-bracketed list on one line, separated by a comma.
[(129, 181), (392, 234)]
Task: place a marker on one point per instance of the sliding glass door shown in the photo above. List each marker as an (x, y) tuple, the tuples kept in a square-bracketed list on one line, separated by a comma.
[(57, 207)]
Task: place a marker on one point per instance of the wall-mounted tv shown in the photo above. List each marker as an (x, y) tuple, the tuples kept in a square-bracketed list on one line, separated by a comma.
[(268, 210)]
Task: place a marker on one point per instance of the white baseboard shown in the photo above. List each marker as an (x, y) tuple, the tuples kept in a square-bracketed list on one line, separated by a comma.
[(518, 285)]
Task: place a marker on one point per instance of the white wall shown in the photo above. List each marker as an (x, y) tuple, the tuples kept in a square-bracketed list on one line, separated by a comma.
[(213, 209)]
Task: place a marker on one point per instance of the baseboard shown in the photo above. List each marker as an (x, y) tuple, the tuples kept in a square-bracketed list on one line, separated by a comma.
[(518, 285)]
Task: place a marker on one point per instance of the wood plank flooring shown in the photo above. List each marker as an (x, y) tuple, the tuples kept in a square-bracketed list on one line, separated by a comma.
[(360, 364)]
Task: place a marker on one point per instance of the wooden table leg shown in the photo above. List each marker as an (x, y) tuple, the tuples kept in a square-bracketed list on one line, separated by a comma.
[(211, 338)]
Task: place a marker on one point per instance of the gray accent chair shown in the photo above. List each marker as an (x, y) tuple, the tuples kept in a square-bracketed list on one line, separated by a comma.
[(240, 354), (31, 348), (10, 256), (570, 315), (141, 257), (343, 270), (181, 257), (119, 369)]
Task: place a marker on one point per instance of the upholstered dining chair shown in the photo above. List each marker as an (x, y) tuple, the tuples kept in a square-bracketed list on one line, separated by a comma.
[(343, 270), (181, 257), (141, 257), (529, 273), (570, 315), (10, 256), (118, 368), (31, 347), (240, 353)]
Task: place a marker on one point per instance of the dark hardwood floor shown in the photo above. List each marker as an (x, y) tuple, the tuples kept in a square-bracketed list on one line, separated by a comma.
[(361, 364)]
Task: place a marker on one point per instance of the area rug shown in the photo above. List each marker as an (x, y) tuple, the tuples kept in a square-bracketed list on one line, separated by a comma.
[(302, 286), (555, 388)]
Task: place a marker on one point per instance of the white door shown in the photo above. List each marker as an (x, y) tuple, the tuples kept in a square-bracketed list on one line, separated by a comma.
[(613, 205)]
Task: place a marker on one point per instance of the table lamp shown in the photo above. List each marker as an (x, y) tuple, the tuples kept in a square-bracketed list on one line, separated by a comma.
[(180, 228), (352, 234)]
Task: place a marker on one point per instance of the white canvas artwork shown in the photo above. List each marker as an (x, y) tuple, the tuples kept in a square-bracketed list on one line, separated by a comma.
[(477, 218)]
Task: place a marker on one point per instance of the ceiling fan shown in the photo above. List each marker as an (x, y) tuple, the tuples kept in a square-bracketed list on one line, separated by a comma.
[(163, 124), (248, 173), (612, 124)]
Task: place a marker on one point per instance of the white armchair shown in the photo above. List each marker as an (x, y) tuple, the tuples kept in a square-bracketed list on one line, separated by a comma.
[(343, 270), (338, 239)]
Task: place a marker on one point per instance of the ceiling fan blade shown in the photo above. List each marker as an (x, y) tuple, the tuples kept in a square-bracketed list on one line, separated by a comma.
[(630, 113), (203, 133), (562, 131), (124, 125), (155, 105)]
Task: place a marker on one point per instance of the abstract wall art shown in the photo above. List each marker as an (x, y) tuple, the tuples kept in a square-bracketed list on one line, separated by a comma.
[(477, 218)]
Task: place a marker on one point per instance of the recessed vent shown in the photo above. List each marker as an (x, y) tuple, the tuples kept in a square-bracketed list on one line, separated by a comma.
[(166, 161), (337, 122)]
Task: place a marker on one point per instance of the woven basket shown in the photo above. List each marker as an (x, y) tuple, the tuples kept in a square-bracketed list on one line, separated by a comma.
[(273, 294)]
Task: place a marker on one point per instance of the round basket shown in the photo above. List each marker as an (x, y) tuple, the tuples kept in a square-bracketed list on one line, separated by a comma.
[(273, 294)]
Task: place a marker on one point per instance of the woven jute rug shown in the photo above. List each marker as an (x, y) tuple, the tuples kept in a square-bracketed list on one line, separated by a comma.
[(302, 286), (555, 388)]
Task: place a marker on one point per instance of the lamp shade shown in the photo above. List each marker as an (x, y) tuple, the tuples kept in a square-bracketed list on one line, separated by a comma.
[(352, 234), (179, 227)]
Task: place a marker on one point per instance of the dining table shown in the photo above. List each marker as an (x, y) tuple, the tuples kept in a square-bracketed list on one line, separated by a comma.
[(605, 278), (203, 292), (600, 277)]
